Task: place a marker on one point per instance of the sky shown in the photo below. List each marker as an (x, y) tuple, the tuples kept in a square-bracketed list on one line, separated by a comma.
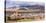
[(27, 0), (11, 3)]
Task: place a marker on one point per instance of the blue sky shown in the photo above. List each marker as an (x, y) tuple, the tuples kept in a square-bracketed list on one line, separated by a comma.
[(11, 3)]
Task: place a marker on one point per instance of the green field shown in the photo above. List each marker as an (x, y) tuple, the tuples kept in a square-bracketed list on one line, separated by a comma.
[(24, 20)]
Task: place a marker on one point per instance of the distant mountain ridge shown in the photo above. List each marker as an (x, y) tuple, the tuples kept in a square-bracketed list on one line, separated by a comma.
[(13, 3), (29, 5)]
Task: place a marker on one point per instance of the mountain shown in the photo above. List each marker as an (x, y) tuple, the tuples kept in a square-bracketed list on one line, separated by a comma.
[(14, 3), (22, 5)]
